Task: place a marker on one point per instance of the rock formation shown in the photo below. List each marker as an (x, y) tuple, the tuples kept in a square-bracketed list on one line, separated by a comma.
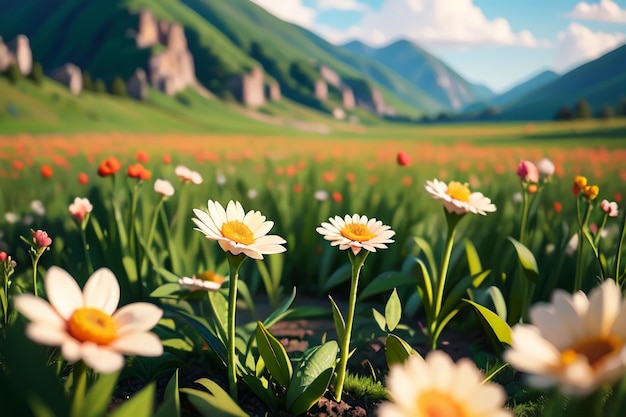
[(70, 76), (147, 30), (17, 52), (249, 88), (321, 90), (347, 98), (330, 76), (273, 91), (137, 85), (173, 69)]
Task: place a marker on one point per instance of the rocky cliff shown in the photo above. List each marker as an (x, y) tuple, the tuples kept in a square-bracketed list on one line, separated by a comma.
[(16, 52)]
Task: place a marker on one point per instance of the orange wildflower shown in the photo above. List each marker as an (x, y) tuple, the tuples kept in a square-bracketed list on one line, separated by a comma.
[(83, 178), (17, 164), (109, 167), (46, 171), (142, 156), (337, 197), (139, 171), (167, 159)]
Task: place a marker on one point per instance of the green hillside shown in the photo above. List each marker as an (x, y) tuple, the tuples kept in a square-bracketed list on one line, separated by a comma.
[(599, 82)]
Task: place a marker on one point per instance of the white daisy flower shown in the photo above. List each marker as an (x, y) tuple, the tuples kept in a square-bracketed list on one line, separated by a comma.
[(206, 281), (437, 386), (575, 342), (187, 175), (356, 232), (87, 325), (164, 187), (457, 198), (238, 232)]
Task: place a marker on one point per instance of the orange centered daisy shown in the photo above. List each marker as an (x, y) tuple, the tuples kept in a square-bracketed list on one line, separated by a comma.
[(596, 350), (357, 232), (433, 403), (89, 324), (211, 277), (238, 232), (458, 191)]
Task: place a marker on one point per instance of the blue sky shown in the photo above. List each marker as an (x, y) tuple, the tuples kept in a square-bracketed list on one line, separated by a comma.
[(498, 43)]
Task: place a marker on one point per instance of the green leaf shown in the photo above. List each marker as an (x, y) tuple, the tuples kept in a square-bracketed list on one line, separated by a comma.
[(312, 377), (393, 311), (385, 282), (453, 298), (397, 350), (207, 335), (261, 388), (380, 319), (99, 396), (527, 260), (274, 355), (130, 267), (282, 311), (473, 260), (170, 407), (428, 253), (340, 276), (499, 327), (244, 292), (139, 405), (169, 290), (425, 282), (340, 324), (215, 403), (169, 276), (498, 301)]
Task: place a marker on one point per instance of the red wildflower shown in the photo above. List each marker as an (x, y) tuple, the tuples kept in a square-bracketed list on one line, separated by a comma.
[(19, 165), (109, 167), (167, 159), (557, 206), (83, 178), (46, 171), (403, 159), (337, 197), (142, 156), (139, 171)]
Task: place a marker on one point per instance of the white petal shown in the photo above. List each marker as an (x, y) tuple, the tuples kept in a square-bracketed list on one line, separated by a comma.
[(46, 335), (263, 229), (137, 317), (232, 212), (140, 343), (63, 292), (101, 359), (217, 213), (38, 310), (71, 350), (102, 291), (206, 221)]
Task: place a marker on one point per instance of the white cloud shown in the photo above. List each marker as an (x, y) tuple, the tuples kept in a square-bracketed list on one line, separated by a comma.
[(605, 11), (341, 5), (579, 44), (436, 22), (293, 11)]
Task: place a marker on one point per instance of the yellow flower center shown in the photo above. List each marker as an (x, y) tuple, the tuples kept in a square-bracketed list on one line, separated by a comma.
[(580, 181), (238, 232), (596, 350), (458, 191), (211, 277), (89, 324), (357, 232), (433, 403)]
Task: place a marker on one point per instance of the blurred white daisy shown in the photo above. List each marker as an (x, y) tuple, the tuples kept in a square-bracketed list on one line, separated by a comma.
[(164, 187), (321, 195), (38, 208), (86, 325), (187, 175), (356, 232), (575, 342), (252, 193), (206, 281), (457, 198), (436, 386), (11, 218), (238, 232)]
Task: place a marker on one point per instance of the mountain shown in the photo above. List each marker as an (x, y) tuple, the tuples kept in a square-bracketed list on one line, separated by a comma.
[(224, 41), (424, 71), (599, 82), (525, 87)]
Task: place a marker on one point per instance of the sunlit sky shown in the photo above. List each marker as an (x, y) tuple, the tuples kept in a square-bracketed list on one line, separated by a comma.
[(498, 43)]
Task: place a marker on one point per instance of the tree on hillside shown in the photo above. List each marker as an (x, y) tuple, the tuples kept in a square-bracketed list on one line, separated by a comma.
[(118, 87), (37, 73), (563, 113), (582, 110), (607, 112), (100, 86), (87, 82), (13, 74)]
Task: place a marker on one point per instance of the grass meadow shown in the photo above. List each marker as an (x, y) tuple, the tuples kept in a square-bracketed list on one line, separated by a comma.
[(298, 180)]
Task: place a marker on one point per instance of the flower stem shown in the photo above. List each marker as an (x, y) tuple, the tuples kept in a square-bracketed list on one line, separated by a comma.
[(83, 236), (79, 386), (357, 262), (452, 220), (578, 280), (234, 263), (35, 262), (155, 215), (525, 207), (618, 256)]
